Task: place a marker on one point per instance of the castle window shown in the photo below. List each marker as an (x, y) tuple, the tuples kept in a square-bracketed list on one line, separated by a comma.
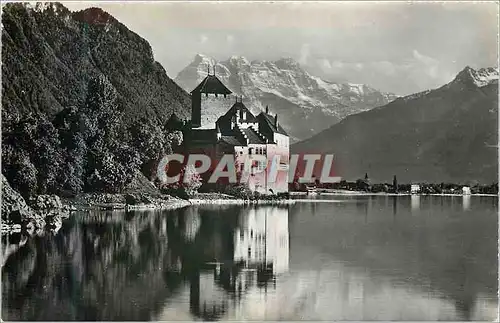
[(250, 151)]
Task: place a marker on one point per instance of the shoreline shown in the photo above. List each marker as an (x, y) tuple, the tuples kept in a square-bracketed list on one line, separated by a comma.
[(69, 207), (241, 201), (356, 193), (175, 204), (167, 205), (223, 199)]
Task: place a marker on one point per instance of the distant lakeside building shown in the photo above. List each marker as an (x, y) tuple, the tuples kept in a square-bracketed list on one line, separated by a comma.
[(237, 132)]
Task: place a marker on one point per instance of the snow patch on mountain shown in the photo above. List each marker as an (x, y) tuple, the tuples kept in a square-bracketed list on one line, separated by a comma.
[(475, 78), (258, 81), (484, 76)]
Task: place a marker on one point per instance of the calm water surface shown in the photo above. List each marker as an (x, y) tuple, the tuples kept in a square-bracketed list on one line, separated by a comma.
[(338, 258)]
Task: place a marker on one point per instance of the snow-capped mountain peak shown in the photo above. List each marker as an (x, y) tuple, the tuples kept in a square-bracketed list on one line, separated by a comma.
[(201, 59), (484, 76), (239, 60), (287, 63), (481, 77), (287, 89)]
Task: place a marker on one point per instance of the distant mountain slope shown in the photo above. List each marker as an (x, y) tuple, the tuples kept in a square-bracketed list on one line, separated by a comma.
[(446, 134), (49, 54), (84, 103), (306, 104)]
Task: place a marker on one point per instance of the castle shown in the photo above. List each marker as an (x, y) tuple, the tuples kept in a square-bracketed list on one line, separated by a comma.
[(237, 132)]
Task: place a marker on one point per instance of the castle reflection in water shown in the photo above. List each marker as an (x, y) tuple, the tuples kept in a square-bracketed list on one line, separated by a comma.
[(260, 252), (429, 258), (131, 266)]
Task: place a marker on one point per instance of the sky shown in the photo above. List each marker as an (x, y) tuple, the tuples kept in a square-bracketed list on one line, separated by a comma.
[(396, 47)]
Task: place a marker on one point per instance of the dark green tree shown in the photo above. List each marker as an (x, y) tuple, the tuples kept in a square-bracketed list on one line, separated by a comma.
[(111, 162), (24, 178), (31, 146), (152, 144), (69, 125)]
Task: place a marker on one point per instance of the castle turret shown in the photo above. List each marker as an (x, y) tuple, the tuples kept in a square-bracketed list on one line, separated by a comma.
[(210, 85)]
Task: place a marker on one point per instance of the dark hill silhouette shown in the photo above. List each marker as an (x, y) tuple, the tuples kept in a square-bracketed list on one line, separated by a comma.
[(49, 55), (445, 135), (84, 103)]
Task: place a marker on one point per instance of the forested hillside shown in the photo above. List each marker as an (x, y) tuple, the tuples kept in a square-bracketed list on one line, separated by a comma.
[(84, 103)]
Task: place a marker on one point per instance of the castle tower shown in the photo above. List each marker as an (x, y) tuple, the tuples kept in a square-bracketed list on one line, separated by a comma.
[(209, 96)]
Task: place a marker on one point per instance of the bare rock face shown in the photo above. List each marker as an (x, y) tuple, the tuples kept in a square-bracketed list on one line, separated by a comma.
[(14, 207), (46, 202), (138, 199), (43, 211)]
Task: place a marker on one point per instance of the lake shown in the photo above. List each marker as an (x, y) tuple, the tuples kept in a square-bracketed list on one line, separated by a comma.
[(328, 258)]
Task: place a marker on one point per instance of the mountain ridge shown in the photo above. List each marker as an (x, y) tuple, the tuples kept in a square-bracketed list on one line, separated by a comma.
[(61, 72), (438, 135), (288, 89), (84, 103)]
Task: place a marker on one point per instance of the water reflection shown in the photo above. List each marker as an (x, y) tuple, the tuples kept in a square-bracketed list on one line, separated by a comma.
[(11, 243), (350, 261), (466, 202), (443, 260), (394, 206), (415, 202), (263, 239), (117, 266), (261, 251)]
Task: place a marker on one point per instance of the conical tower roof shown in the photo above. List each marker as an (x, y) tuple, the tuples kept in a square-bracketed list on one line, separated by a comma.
[(212, 85)]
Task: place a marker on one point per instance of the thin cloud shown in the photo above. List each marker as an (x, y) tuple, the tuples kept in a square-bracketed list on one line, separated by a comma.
[(203, 39), (397, 47)]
